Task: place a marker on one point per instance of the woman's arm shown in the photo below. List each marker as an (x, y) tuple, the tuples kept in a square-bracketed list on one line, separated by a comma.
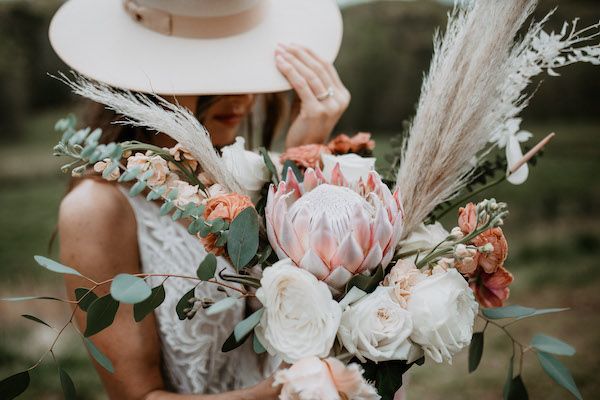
[(98, 237), (312, 79)]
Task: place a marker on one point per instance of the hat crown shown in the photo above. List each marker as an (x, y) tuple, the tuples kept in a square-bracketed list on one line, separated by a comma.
[(201, 8)]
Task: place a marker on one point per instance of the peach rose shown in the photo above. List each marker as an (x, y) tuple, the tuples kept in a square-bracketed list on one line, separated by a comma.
[(100, 166), (492, 290), (361, 142), (155, 163), (307, 156), (227, 207), (182, 155), (467, 218), (340, 144), (493, 260)]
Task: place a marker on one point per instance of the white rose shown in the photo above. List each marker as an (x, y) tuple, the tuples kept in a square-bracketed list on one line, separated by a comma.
[(443, 311), (377, 328), (423, 238), (301, 318), (247, 167), (353, 166)]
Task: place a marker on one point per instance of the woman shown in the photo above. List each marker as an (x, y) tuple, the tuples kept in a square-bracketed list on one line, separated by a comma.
[(183, 49)]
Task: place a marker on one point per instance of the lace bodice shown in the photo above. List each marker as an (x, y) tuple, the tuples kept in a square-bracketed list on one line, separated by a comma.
[(191, 349)]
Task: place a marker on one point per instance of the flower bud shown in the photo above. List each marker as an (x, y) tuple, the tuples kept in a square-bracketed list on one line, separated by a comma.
[(456, 234), (461, 251), (487, 248)]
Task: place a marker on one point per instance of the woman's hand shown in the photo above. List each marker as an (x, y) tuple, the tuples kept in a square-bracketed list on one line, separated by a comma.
[(323, 96)]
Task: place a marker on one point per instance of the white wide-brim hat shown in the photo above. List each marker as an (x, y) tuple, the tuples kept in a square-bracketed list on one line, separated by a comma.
[(191, 47)]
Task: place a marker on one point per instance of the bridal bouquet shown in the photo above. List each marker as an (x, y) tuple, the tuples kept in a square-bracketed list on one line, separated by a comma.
[(356, 279)]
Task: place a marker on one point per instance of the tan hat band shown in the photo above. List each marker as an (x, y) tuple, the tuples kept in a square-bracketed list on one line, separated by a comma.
[(195, 27)]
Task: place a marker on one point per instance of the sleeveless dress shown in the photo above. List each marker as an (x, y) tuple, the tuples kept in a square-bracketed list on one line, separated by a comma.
[(191, 349)]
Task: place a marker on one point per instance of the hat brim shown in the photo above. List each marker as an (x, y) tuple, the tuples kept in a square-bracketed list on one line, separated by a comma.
[(99, 40)]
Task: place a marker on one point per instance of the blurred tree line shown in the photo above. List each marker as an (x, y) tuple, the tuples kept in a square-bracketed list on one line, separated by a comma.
[(386, 50)]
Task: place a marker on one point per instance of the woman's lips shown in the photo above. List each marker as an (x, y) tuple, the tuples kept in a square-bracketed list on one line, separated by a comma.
[(232, 119)]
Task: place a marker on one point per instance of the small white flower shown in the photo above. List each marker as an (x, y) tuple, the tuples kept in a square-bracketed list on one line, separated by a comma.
[(377, 328), (352, 165), (301, 318), (443, 310), (247, 167)]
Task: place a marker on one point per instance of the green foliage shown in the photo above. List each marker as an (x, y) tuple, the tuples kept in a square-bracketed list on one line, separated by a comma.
[(183, 305), (207, 267), (67, 384), (129, 289), (290, 165), (270, 165), (137, 188), (231, 343), (257, 346), (558, 372), (548, 344), (514, 388), (166, 207), (221, 305), (14, 385), (366, 283), (386, 376), (130, 175), (246, 326), (54, 266), (97, 355), (85, 297), (243, 238), (475, 351), (35, 319), (519, 312), (100, 314), (141, 310)]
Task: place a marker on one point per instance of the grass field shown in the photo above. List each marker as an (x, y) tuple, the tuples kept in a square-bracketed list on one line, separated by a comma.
[(553, 232)]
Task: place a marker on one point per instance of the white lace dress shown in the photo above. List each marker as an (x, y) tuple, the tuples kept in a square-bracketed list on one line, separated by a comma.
[(191, 349)]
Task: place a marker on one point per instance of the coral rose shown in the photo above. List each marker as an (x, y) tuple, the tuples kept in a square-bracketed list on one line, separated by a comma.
[(493, 260), (341, 144), (361, 143), (307, 156), (492, 290), (467, 218), (226, 207)]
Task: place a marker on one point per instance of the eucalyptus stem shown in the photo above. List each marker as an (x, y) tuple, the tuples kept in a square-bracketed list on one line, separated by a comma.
[(469, 195)]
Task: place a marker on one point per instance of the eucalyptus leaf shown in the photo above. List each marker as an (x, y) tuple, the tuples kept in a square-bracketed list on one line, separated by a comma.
[(195, 226), (88, 150), (353, 295), (129, 289), (67, 385), (109, 170), (475, 351), (509, 379), (289, 164), (166, 207), (231, 343), (386, 375), (54, 266), (242, 242), (137, 188), (244, 327), (207, 267), (204, 229), (516, 389), (147, 175), (257, 346), (35, 319), (270, 165), (146, 307), (156, 193), (221, 305), (27, 298), (130, 174), (264, 256), (98, 356), (222, 240), (184, 303), (189, 210), (243, 279), (545, 311), (101, 314), (14, 385), (558, 372), (548, 344), (177, 215), (514, 311), (366, 283), (85, 297)]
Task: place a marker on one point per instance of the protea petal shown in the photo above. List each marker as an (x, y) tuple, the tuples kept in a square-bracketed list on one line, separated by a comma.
[(338, 278), (288, 240), (349, 254), (310, 180), (313, 264), (292, 184), (337, 178), (362, 228), (382, 228), (302, 227), (372, 259), (322, 240)]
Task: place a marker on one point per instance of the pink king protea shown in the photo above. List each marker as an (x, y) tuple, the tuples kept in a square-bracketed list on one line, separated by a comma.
[(333, 229)]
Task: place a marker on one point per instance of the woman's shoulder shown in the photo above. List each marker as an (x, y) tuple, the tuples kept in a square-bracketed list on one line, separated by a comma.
[(95, 204)]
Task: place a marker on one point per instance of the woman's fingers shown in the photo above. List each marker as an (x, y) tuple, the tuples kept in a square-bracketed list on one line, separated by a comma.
[(297, 81), (310, 63), (327, 66), (316, 82)]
